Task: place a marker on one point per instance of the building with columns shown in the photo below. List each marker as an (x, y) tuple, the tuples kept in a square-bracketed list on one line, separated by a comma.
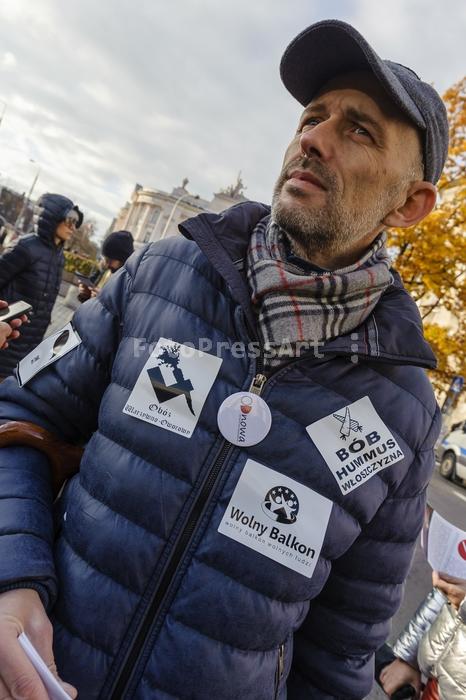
[(153, 214)]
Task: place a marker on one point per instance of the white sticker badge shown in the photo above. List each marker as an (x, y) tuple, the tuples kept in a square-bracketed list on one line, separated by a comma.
[(277, 517), (49, 350), (355, 443), (173, 386), (244, 419)]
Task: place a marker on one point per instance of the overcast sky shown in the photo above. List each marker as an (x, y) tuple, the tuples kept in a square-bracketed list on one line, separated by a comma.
[(102, 94)]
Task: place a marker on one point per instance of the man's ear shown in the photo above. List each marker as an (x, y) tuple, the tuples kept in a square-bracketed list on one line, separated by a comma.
[(420, 200)]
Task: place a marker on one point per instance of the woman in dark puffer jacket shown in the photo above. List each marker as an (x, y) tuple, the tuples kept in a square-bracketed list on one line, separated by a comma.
[(31, 271)]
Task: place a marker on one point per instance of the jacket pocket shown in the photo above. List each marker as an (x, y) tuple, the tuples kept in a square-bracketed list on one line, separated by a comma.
[(279, 669)]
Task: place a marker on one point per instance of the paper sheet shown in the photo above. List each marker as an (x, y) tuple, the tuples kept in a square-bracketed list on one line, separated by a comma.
[(446, 546), (52, 686)]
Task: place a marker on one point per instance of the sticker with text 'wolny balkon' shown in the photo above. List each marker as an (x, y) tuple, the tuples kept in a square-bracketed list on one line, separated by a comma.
[(277, 517), (172, 388), (355, 443)]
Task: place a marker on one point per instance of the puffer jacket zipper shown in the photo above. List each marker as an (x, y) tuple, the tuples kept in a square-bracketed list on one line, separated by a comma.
[(279, 669), (128, 667), (133, 655)]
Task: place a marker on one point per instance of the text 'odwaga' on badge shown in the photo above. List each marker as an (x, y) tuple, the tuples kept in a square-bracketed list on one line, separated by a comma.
[(173, 386), (277, 517), (355, 443), (49, 350)]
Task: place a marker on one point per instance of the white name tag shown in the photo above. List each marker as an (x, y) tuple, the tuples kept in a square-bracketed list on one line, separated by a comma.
[(355, 443), (277, 517), (172, 388), (48, 351)]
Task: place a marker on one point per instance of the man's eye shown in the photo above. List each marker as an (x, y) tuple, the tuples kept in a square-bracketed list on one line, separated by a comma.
[(358, 129), (309, 122)]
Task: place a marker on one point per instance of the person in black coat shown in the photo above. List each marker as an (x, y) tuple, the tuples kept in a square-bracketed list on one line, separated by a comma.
[(116, 249), (31, 271)]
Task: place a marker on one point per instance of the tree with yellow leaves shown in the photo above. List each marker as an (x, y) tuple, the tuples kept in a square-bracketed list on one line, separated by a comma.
[(431, 257)]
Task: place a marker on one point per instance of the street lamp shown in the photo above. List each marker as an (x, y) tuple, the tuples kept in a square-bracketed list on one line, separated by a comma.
[(29, 194), (170, 218)]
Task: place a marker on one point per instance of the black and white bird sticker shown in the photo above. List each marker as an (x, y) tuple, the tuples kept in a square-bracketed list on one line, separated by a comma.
[(173, 386), (355, 443)]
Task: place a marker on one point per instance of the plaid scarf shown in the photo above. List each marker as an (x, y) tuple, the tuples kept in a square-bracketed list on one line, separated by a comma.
[(296, 305)]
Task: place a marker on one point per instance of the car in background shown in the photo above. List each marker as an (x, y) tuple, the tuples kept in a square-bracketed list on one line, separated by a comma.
[(451, 453)]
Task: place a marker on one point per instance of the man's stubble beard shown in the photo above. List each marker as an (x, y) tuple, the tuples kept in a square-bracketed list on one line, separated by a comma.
[(332, 226)]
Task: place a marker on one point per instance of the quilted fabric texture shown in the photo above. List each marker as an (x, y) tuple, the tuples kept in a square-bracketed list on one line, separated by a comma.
[(219, 626)]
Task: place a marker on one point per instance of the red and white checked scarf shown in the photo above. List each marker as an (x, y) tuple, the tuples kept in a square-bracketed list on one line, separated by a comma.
[(296, 305)]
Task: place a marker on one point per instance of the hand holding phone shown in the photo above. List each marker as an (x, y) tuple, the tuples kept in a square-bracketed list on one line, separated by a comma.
[(14, 311), (11, 318), (83, 279)]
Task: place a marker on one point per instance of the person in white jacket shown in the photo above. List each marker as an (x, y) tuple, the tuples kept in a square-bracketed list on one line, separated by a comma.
[(433, 643)]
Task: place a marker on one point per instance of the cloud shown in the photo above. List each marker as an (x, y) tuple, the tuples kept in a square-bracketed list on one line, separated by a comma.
[(8, 60), (426, 36), (104, 95)]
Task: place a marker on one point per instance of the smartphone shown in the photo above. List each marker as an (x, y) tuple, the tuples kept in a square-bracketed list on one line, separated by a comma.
[(9, 313), (404, 693), (86, 281)]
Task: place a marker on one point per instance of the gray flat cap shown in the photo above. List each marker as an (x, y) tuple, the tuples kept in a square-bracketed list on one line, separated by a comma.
[(330, 48)]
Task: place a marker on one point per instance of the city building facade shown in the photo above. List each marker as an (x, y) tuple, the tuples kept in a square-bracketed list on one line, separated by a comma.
[(153, 214)]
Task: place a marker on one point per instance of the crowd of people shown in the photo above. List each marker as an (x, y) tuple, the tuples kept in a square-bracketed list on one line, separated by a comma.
[(242, 519)]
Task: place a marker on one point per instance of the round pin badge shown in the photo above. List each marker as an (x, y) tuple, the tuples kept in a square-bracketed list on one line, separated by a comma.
[(244, 419)]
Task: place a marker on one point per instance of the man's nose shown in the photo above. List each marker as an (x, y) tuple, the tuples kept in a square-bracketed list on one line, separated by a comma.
[(318, 140)]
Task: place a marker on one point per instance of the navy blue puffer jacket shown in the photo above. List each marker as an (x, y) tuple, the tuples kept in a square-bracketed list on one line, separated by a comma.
[(31, 271), (148, 599)]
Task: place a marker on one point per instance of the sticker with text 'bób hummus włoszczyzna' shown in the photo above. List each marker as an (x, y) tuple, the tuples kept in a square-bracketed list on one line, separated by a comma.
[(355, 443), (171, 390), (277, 517)]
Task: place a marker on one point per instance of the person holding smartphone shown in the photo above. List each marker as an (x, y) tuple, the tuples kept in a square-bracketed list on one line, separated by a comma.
[(116, 249), (9, 331), (32, 269)]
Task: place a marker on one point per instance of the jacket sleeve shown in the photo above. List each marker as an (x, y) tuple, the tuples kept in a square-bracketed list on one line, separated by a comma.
[(406, 646), (12, 262), (350, 619), (442, 652), (64, 398)]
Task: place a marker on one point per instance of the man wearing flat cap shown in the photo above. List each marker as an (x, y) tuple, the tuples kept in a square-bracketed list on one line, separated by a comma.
[(257, 421)]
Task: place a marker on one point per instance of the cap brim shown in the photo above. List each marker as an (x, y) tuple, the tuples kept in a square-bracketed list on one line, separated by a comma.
[(330, 48)]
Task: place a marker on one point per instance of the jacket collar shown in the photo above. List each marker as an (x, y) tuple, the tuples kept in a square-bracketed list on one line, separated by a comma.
[(392, 333)]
